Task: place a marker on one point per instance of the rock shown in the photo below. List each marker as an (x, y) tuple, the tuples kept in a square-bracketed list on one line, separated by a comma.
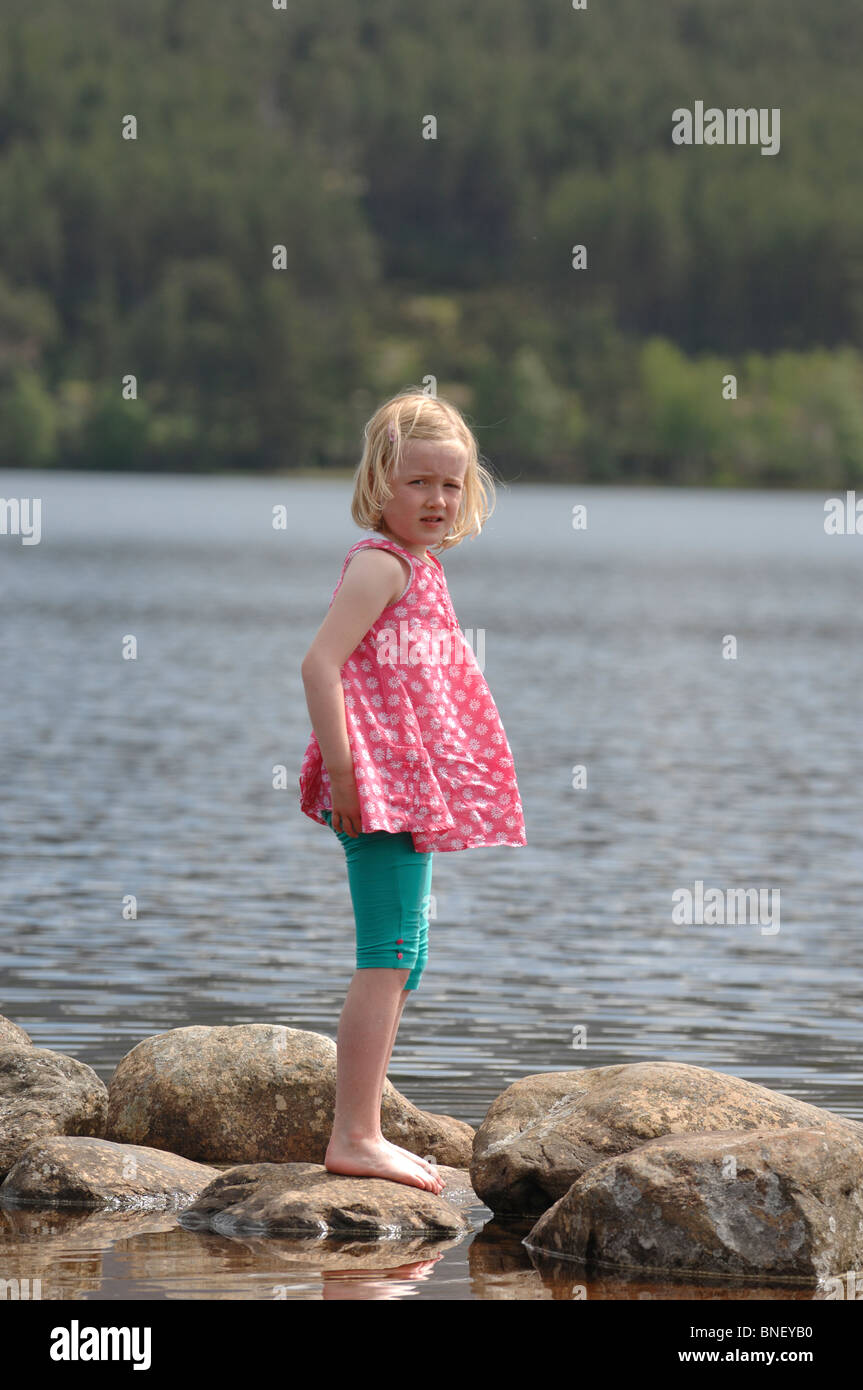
[(254, 1093), (84, 1172), (303, 1199), (542, 1133), (780, 1202), (12, 1035), (44, 1093)]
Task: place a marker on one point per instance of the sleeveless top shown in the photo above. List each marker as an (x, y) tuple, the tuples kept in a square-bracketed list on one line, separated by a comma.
[(429, 750)]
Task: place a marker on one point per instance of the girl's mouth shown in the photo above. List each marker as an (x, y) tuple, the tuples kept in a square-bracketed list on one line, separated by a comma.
[(432, 520)]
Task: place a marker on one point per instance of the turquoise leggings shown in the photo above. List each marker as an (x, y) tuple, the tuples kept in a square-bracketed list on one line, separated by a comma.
[(390, 883)]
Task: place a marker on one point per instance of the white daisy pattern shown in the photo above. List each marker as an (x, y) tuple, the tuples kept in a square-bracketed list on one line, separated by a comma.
[(423, 761)]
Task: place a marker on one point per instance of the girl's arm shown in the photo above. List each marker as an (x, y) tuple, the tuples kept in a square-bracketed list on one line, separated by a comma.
[(373, 579)]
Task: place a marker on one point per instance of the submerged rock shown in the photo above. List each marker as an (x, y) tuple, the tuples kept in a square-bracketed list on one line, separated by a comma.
[(84, 1172), (44, 1093), (780, 1202), (254, 1093), (303, 1199), (542, 1133)]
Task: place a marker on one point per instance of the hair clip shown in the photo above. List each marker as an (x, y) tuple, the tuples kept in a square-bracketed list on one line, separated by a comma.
[(392, 434)]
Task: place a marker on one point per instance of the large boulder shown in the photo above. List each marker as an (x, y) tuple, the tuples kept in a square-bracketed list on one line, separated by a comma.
[(254, 1093), (769, 1202), (44, 1093), (304, 1199), (82, 1172), (11, 1034), (542, 1133)]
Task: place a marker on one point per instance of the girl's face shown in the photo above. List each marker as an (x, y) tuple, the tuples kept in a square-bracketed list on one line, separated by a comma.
[(427, 491)]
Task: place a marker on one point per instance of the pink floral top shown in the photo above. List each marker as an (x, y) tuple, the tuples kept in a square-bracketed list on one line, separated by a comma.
[(429, 750)]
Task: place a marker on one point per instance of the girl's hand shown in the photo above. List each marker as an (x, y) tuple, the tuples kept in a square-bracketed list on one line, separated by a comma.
[(347, 814)]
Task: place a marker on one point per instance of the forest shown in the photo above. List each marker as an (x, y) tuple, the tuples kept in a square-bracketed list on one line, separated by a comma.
[(431, 172)]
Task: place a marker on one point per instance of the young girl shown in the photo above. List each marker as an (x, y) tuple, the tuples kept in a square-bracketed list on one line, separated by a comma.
[(408, 753)]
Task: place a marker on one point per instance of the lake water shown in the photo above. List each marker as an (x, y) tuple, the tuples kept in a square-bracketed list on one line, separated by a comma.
[(603, 648)]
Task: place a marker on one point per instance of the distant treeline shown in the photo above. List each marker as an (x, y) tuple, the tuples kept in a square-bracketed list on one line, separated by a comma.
[(450, 258)]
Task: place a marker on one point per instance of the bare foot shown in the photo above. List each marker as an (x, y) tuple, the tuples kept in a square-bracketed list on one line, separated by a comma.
[(423, 1162), (376, 1158)]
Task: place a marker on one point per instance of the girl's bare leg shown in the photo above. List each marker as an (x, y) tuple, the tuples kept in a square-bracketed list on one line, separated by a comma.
[(403, 998), (366, 1034)]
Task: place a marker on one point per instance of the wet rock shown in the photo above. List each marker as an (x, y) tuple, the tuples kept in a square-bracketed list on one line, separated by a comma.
[(12, 1035), (303, 1199), (542, 1133), (785, 1203), (44, 1093), (84, 1172), (255, 1093)]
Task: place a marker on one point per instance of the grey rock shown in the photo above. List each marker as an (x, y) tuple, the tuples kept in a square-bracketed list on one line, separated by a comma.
[(83, 1172), (543, 1132), (12, 1035), (786, 1203), (254, 1093), (44, 1093), (303, 1199)]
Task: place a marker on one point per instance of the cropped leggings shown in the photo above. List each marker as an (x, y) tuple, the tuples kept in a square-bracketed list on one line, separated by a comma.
[(390, 883)]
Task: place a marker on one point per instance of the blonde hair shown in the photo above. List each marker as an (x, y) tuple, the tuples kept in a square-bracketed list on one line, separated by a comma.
[(414, 415)]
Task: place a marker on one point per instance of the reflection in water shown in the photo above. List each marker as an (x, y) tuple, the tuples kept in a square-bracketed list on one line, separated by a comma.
[(93, 1255), (155, 778)]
